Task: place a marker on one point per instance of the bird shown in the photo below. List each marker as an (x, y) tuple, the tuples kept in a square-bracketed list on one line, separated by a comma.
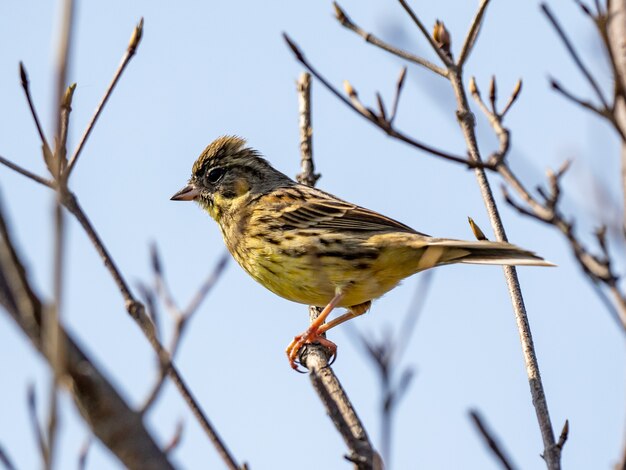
[(311, 247)]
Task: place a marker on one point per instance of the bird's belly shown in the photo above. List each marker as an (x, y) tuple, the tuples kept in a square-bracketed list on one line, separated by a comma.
[(313, 275)]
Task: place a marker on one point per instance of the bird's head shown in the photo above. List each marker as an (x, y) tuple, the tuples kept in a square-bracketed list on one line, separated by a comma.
[(226, 175)]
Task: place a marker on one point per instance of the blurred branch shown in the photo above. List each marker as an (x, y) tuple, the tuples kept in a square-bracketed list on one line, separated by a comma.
[(134, 308), (104, 411), (40, 438), (176, 439), (490, 440), (386, 356), (84, 452), (181, 317), (5, 460), (51, 320), (315, 356), (575, 57)]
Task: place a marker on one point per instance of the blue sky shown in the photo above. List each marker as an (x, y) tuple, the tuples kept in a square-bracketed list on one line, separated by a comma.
[(211, 68)]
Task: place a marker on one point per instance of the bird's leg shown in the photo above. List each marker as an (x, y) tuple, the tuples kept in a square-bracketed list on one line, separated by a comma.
[(352, 312), (312, 333)]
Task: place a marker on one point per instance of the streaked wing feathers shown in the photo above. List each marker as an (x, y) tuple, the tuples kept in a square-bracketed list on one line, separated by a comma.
[(324, 211)]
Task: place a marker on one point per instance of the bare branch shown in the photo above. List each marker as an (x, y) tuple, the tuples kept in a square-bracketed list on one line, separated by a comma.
[(135, 39), (307, 174), (339, 408), (176, 438), (490, 440), (512, 98), (37, 431), (572, 51), (26, 87), (27, 173), (347, 22), (564, 435), (101, 406), (442, 55), (472, 33), (84, 452), (385, 126), (6, 460), (396, 98)]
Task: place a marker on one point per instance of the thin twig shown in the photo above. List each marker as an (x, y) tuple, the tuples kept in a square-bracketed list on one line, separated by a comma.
[(23, 171), (181, 317), (472, 33), (572, 51), (6, 460), (51, 321), (347, 22), (340, 409), (176, 438), (396, 97), (314, 356), (137, 312), (34, 421), (130, 52), (307, 174), (385, 126), (490, 440), (84, 452), (442, 55), (26, 87), (104, 411)]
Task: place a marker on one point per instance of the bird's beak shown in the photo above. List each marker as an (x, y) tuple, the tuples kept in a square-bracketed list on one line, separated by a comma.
[(188, 193)]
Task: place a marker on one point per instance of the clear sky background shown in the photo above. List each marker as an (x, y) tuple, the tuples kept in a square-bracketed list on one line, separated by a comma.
[(209, 68)]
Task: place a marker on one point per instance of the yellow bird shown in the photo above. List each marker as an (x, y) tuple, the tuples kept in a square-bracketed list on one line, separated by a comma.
[(311, 247)]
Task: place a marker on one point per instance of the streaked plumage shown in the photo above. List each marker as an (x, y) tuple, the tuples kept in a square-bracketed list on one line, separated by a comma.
[(311, 247)]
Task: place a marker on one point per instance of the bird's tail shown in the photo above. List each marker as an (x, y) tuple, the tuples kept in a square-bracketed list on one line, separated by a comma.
[(440, 251)]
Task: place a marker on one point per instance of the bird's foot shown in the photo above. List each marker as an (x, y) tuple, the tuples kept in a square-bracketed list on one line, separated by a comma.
[(310, 336)]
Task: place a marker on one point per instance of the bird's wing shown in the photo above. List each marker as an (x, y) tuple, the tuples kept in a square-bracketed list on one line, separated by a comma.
[(314, 209)]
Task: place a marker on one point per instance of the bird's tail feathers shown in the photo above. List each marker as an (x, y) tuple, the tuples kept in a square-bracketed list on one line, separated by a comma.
[(445, 251)]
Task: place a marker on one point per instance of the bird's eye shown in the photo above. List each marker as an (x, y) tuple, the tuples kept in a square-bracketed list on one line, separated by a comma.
[(215, 175)]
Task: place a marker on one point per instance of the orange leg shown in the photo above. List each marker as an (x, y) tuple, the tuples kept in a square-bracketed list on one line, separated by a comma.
[(353, 312), (312, 333)]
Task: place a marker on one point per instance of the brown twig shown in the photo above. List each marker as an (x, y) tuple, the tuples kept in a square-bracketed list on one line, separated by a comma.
[(135, 39), (26, 87), (490, 440), (176, 438), (396, 97), (307, 174), (347, 23), (472, 33), (34, 422), (370, 116), (36, 178), (181, 317), (51, 321), (442, 55), (315, 357)]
